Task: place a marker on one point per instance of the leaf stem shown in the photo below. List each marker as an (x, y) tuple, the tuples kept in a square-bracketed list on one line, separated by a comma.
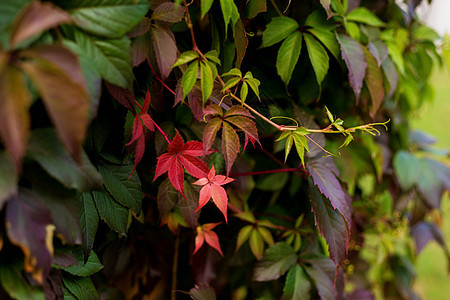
[(175, 266), (159, 79)]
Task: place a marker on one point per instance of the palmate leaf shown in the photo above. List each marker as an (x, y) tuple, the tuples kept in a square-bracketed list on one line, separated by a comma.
[(353, 55), (230, 13), (297, 138), (288, 55), (14, 118), (331, 224), (108, 18)]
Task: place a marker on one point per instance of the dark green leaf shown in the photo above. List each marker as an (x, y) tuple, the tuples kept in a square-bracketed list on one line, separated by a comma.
[(109, 18), (125, 189), (83, 269), (277, 30), (288, 56), (189, 78), (8, 179), (297, 284), (278, 258), (45, 148), (88, 221), (114, 214), (318, 56), (80, 287)]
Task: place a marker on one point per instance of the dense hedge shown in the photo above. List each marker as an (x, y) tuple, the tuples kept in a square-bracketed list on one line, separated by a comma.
[(121, 119)]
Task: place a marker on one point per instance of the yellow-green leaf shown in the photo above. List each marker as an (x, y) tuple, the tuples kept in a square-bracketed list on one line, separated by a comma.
[(189, 78), (206, 81)]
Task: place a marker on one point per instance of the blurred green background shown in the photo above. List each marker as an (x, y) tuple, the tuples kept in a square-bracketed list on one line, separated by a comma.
[(433, 279)]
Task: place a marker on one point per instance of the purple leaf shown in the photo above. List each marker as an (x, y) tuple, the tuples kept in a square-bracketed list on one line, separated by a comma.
[(123, 96), (424, 232), (29, 226), (140, 48), (330, 223), (322, 273), (361, 294), (203, 265), (323, 172), (165, 49), (379, 50), (353, 55)]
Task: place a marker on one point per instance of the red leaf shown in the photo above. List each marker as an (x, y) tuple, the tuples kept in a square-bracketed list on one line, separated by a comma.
[(148, 122), (176, 175), (212, 189), (181, 156), (146, 104), (205, 233), (246, 125)]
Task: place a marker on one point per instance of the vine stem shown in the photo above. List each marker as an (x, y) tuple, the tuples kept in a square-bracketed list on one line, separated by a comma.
[(175, 266), (162, 132), (159, 79)]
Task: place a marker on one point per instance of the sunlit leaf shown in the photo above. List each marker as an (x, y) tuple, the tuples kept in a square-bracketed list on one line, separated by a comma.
[(277, 30), (288, 56), (363, 15), (189, 78), (318, 57), (185, 58), (206, 81)]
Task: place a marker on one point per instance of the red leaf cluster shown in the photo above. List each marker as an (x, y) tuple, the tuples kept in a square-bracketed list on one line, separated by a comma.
[(205, 233)]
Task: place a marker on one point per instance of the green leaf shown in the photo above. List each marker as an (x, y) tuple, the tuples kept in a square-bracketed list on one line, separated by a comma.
[(205, 6), (244, 91), (374, 82), (15, 284), (92, 265), (288, 146), (288, 56), (347, 141), (256, 244), (46, 150), (8, 179), (265, 234), (254, 7), (297, 284), (300, 145), (124, 188), (213, 56), (88, 221), (189, 78), (273, 182), (185, 58), (363, 15), (243, 236), (277, 30), (233, 72), (407, 169), (80, 287), (230, 13), (110, 56), (328, 39), (165, 48), (9, 9), (109, 18), (231, 83), (168, 12), (114, 214), (254, 85), (278, 258), (318, 56), (206, 81), (326, 5)]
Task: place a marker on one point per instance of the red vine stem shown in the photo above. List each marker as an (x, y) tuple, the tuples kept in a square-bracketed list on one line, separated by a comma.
[(159, 79), (162, 132)]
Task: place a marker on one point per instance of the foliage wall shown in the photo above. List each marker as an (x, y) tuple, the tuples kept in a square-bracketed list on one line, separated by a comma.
[(231, 149)]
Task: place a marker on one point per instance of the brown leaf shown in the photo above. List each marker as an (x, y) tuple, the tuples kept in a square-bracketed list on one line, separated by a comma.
[(140, 48), (230, 145), (28, 224), (165, 48), (374, 82), (15, 100), (65, 97), (36, 18)]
